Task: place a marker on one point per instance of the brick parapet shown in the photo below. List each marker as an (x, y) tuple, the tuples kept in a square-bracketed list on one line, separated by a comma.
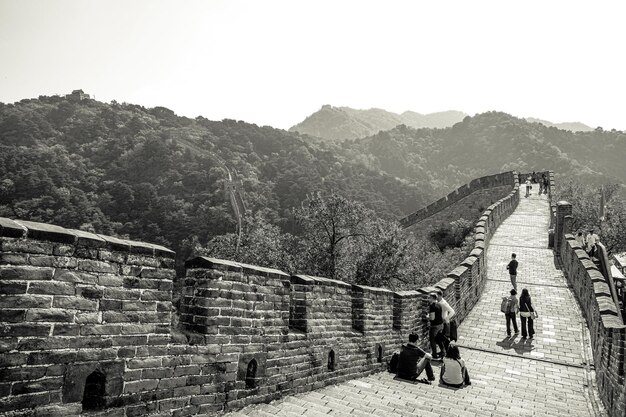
[(487, 182), (302, 332), (606, 329)]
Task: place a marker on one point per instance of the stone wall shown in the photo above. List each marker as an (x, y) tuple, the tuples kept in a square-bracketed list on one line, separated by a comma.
[(87, 325), (483, 183), (606, 330)]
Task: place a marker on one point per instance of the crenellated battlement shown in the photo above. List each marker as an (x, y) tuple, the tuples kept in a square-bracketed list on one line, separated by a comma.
[(88, 324)]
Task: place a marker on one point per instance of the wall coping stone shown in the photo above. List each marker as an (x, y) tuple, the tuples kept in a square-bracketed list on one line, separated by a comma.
[(364, 288), (312, 280), (10, 228), (221, 264), (51, 232)]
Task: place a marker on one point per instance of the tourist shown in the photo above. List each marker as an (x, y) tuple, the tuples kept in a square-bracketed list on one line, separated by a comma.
[(512, 308), (592, 239), (436, 325), (546, 184), (512, 267), (453, 371), (527, 314), (413, 360), (528, 186), (447, 313), (581, 240)]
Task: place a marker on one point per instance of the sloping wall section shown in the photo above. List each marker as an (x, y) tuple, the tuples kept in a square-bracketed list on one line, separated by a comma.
[(86, 324)]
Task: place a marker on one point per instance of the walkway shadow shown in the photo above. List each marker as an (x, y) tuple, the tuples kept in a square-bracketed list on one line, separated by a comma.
[(520, 346)]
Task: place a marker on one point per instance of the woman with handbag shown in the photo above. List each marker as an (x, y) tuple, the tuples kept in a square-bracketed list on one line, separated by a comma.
[(527, 313)]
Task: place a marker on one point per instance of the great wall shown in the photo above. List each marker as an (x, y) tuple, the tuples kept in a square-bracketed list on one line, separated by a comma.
[(88, 326)]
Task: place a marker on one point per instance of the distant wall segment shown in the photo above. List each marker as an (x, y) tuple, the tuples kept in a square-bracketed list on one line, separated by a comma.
[(505, 179), (87, 323)]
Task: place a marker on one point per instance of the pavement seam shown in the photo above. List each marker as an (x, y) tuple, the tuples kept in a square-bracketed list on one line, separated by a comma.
[(519, 246), (529, 283), (511, 355)]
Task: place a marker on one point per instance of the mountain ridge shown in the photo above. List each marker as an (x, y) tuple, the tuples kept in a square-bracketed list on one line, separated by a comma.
[(340, 123)]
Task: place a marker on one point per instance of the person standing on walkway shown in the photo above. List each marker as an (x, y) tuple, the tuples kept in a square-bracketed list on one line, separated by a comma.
[(512, 307), (436, 325), (581, 240), (546, 183), (591, 243), (526, 314), (447, 313), (512, 267), (528, 186)]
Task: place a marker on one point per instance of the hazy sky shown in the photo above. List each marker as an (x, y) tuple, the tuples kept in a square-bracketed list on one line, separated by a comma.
[(275, 62)]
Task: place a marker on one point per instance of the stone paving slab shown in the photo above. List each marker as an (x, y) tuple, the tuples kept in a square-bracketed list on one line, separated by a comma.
[(543, 377), (501, 386)]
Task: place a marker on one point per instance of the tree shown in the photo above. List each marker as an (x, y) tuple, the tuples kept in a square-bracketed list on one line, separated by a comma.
[(328, 223)]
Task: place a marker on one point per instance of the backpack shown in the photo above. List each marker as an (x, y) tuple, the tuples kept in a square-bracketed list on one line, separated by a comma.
[(504, 306), (393, 363)]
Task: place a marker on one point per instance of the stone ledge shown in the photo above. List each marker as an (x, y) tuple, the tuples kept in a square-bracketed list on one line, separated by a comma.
[(53, 233), (312, 280), (205, 262)]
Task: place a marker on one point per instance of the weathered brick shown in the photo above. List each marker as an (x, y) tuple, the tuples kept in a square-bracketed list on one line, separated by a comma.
[(97, 266), (58, 315), (52, 287), (12, 287), (12, 316), (24, 273), (75, 303), (25, 301), (53, 261), (141, 386), (75, 276)]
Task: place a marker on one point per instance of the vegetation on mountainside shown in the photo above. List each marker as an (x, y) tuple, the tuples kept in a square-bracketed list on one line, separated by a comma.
[(341, 239), (490, 143), (585, 201), (126, 170)]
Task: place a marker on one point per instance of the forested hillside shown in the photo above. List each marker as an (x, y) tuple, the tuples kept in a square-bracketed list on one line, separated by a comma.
[(126, 170), (490, 143)]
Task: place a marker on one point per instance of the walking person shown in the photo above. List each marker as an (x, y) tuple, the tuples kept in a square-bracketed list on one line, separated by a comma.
[(591, 243), (512, 267), (512, 306), (527, 314), (454, 371), (435, 318), (528, 186), (546, 184)]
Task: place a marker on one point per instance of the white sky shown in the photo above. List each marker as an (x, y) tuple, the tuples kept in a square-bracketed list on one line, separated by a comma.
[(276, 62)]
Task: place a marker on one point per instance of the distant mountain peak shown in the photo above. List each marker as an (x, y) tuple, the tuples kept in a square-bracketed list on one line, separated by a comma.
[(338, 123)]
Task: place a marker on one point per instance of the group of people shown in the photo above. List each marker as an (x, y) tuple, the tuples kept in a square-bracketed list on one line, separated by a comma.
[(511, 305), (543, 181), (589, 242), (413, 360)]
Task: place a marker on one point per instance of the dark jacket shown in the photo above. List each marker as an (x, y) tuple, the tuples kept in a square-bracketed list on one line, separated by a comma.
[(526, 304), (410, 355)]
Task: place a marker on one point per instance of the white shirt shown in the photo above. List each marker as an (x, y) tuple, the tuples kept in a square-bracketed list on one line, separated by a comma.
[(591, 239), (446, 311)]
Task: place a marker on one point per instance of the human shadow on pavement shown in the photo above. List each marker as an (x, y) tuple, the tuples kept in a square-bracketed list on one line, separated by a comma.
[(520, 346)]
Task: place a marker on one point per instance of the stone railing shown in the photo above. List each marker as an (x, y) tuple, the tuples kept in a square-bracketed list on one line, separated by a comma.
[(606, 329), (87, 324)]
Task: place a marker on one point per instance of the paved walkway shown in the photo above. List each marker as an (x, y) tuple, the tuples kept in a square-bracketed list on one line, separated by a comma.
[(547, 376)]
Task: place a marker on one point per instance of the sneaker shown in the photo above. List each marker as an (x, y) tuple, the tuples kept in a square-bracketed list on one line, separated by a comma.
[(516, 333), (431, 379), (423, 381)]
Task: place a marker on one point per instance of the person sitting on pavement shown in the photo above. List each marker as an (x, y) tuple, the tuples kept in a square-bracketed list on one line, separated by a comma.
[(413, 360), (453, 371)]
